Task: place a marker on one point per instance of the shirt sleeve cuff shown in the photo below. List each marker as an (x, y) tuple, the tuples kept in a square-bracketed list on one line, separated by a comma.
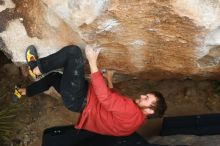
[(95, 74)]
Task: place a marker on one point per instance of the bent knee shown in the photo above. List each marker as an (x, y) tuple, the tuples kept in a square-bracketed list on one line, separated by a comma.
[(72, 50)]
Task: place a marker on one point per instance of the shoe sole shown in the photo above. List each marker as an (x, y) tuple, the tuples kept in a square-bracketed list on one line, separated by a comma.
[(33, 51)]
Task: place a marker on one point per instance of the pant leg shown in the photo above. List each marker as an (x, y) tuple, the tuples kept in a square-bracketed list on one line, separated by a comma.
[(58, 59), (65, 136), (73, 86), (52, 79)]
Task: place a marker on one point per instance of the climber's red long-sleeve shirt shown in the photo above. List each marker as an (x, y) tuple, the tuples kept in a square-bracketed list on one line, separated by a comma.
[(107, 112)]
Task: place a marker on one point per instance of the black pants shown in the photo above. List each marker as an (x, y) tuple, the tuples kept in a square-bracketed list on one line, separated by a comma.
[(69, 136), (71, 84)]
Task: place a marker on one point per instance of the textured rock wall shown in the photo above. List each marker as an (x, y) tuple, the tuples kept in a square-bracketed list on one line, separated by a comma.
[(153, 39)]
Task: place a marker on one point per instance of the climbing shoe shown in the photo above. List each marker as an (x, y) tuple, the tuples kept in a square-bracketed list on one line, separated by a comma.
[(31, 58), (17, 94)]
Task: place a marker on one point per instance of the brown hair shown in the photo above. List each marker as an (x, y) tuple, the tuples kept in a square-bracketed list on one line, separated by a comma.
[(160, 106)]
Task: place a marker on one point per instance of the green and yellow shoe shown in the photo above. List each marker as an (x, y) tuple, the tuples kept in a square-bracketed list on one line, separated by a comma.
[(17, 95), (31, 58)]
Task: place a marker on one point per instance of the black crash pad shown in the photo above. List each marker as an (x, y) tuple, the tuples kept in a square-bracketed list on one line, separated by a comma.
[(63, 136), (206, 124)]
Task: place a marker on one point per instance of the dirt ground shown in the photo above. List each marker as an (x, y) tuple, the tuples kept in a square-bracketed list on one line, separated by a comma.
[(184, 97)]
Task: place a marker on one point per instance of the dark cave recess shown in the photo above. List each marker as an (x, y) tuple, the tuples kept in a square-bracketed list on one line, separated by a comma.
[(3, 59)]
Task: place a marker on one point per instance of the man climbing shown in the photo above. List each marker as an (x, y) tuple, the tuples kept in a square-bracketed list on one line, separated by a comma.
[(102, 111)]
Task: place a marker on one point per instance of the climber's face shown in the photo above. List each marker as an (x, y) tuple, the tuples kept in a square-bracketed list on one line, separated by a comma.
[(147, 103)]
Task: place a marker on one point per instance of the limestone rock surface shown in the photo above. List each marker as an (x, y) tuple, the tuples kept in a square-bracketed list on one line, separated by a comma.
[(151, 39)]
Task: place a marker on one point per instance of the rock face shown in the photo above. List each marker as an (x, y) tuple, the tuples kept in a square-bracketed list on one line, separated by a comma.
[(154, 39), (189, 140)]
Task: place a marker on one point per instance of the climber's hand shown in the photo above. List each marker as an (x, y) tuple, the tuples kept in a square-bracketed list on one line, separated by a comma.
[(92, 54)]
